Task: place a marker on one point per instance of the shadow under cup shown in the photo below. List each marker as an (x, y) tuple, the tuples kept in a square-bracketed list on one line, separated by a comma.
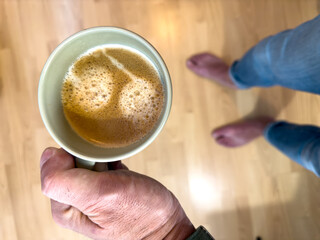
[(51, 80)]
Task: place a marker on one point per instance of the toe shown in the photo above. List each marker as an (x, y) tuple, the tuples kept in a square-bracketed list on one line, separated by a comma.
[(215, 134), (191, 63), (230, 142), (226, 142), (222, 131), (200, 58)]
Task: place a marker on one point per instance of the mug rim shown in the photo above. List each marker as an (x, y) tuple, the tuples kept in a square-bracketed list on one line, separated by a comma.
[(167, 106)]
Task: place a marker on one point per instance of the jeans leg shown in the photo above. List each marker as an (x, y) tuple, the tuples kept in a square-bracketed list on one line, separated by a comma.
[(301, 143), (290, 59)]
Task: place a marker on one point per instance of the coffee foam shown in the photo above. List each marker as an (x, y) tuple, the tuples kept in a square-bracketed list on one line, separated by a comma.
[(112, 96)]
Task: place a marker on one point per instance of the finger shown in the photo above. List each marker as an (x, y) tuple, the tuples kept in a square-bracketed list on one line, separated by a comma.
[(124, 166), (62, 182), (108, 166), (71, 218), (117, 165)]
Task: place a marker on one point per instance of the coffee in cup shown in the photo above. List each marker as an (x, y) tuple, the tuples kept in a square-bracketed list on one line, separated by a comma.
[(112, 96)]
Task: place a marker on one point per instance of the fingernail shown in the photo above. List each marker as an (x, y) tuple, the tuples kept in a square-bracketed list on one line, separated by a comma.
[(47, 153)]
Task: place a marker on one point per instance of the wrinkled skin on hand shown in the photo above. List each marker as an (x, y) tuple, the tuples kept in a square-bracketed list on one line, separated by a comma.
[(115, 204)]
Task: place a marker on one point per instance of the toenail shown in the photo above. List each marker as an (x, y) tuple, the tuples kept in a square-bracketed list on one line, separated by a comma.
[(192, 62), (219, 137), (215, 135)]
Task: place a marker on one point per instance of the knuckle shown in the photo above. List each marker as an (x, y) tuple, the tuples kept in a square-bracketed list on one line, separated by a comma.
[(95, 231), (58, 218), (62, 214)]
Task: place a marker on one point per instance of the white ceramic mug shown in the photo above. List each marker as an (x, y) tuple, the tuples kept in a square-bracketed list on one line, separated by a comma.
[(51, 80)]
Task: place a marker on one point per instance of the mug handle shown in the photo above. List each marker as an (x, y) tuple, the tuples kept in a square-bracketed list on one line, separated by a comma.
[(80, 163), (94, 166)]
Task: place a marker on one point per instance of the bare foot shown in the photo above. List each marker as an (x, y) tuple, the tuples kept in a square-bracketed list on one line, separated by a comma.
[(238, 134), (210, 66)]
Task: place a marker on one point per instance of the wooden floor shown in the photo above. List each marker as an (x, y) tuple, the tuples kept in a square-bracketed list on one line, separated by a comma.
[(236, 194)]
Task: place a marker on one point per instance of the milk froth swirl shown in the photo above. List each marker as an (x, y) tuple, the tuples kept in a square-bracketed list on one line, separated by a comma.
[(112, 97)]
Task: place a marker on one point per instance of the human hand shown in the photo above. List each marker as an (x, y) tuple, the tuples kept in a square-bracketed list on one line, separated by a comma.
[(117, 204)]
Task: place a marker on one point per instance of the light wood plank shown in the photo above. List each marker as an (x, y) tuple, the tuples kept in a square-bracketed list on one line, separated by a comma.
[(236, 194)]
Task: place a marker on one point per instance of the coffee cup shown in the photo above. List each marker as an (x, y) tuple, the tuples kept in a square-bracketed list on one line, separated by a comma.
[(51, 81)]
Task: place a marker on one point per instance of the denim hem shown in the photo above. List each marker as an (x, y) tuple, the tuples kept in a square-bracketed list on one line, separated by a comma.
[(234, 79), (307, 164), (268, 127)]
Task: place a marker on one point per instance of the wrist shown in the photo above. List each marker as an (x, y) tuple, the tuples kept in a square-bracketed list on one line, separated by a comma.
[(181, 231)]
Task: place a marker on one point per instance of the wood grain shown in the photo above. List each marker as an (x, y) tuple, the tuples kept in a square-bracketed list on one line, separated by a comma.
[(236, 194)]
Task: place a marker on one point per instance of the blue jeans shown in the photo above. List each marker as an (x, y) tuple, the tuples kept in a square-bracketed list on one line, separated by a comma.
[(289, 59)]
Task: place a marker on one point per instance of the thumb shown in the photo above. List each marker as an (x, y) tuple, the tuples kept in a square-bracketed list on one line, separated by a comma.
[(63, 160), (62, 182)]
